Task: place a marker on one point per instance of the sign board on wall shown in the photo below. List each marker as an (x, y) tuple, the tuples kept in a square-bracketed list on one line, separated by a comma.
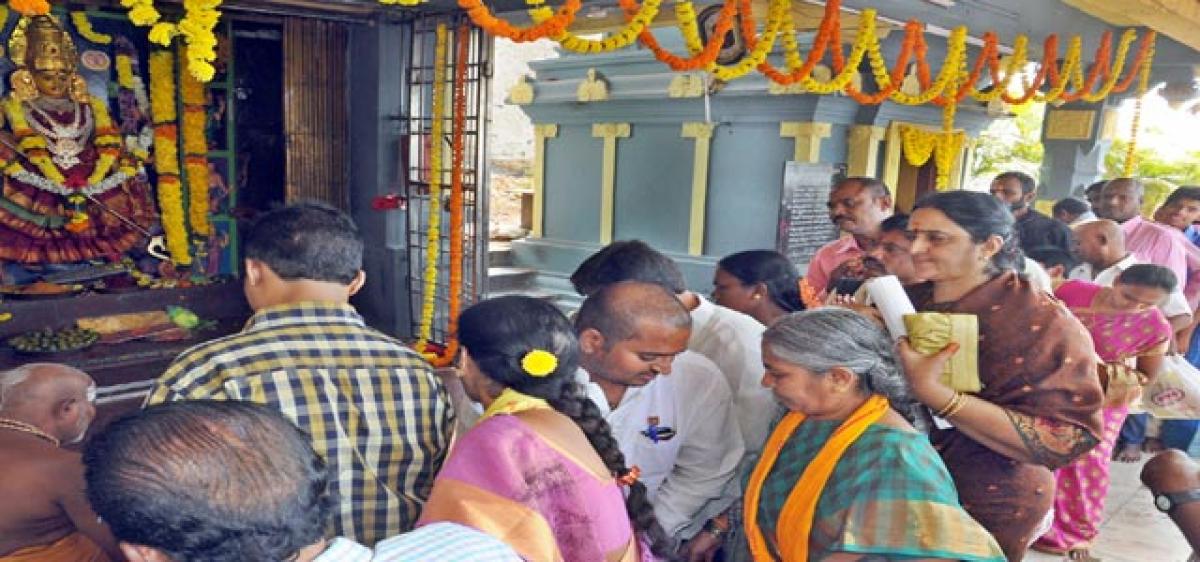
[(804, 224)]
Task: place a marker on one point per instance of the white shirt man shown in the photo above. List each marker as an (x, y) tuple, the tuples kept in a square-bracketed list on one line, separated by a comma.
[(681, 431), (733, 341)]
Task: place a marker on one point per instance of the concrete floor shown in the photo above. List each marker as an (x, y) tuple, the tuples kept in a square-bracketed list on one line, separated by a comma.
[(1133, 531)]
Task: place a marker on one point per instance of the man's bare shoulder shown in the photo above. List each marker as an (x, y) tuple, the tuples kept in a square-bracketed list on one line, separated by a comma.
[(38, 461)]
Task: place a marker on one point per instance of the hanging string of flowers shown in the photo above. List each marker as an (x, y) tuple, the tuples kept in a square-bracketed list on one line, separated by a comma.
[(1130, 164), (433, 240), (200, 17), (919, 145), (457, 134), (195, 151), (166, 154), (84, 28)]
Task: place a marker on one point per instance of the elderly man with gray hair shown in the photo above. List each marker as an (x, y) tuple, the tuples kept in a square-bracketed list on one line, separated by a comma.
[(845, 472), (45, 515)]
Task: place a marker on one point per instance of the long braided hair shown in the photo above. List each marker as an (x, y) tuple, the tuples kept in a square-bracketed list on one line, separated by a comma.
[(499, 332)]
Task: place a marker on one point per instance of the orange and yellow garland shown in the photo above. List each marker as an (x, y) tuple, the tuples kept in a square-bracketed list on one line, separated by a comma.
[(195, 151), (955, 81), (445, 356), (166, 154)]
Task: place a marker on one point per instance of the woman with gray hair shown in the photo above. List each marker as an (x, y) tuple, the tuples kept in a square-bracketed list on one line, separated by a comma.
[(845, 473)]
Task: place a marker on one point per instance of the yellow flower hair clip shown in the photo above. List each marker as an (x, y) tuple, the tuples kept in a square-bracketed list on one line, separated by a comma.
[(539, 363)]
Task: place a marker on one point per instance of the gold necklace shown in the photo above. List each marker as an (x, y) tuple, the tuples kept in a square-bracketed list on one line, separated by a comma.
[(22, 427)]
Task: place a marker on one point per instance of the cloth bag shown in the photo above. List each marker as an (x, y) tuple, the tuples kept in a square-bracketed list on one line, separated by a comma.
[(930, 332), (1175, 394)]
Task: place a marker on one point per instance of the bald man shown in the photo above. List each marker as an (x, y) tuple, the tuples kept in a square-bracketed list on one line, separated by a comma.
[(1100, 245), (670, 409), (44, 515), (1121, 201)]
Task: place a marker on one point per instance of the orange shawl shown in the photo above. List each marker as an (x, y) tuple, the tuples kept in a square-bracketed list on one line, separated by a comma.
[(72, 548), (801, 503)]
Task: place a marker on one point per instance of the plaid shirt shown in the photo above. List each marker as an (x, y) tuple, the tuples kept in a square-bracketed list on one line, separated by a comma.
[(376, 411)]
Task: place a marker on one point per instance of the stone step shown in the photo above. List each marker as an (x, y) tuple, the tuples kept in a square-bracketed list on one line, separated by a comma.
[(508, 279), (499, 254)]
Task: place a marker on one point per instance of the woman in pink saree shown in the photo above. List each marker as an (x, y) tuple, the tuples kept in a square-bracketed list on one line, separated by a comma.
[(1131, 336), (540, 470)]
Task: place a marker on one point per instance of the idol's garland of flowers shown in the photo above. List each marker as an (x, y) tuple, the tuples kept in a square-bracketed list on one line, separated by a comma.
[(459, 102), (433, 239), (166, 154), (195, 150), (200, 17), (84, 28), (49, 178), (136, 144)]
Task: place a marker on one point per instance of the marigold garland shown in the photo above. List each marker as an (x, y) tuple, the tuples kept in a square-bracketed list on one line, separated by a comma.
[(195, 149), (84, 28), (200, 17), (1130, 164), (457, 134), (433, 240), (919, 145), (956, 80), (545, 25), (166, 154), (640, 17)]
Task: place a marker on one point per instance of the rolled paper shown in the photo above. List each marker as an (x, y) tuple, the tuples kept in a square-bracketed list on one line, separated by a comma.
[(931, 332), (889, 297)]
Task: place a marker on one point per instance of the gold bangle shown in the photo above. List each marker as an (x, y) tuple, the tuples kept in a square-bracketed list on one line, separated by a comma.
[(958, 407), (941, 413)]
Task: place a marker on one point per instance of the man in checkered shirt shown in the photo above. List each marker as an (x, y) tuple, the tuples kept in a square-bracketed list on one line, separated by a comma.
[(375, 410)]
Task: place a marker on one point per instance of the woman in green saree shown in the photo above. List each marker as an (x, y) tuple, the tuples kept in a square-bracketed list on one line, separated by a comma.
[(846, 475)]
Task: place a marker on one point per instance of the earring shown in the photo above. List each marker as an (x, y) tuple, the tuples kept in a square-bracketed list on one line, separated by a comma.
[(23, 88), (756, 297)]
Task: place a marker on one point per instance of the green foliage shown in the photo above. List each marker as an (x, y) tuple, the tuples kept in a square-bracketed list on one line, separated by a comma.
[(1011, 144), (1151, 165)]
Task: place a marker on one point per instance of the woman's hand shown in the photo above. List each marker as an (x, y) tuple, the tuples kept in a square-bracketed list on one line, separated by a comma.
[(924, 373)]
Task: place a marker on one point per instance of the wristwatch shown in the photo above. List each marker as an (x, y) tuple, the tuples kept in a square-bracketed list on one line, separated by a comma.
[(1166, 502)]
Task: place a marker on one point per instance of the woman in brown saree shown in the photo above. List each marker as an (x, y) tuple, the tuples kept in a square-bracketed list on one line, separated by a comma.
[(1039, 407)]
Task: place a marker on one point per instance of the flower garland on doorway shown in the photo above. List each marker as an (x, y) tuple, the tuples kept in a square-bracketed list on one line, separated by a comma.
[(200, 17), (195, 151), (166, 154), (433, 240), (1130, 165), (457, 133)]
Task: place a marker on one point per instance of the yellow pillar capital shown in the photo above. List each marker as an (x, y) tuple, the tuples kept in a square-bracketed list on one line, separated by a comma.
[(808, 135)]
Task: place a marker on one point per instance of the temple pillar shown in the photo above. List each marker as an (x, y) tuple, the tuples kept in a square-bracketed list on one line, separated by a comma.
[(702, 133), (541, 132), (1076, 138)]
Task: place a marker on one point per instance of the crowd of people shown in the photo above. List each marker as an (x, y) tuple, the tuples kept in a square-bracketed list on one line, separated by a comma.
[(779, 420)]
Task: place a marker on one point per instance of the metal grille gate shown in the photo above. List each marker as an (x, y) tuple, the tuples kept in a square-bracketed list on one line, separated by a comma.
[(416, 141)]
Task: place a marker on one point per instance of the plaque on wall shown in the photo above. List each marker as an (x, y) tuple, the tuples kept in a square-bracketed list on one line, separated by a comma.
[(804, 224)]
